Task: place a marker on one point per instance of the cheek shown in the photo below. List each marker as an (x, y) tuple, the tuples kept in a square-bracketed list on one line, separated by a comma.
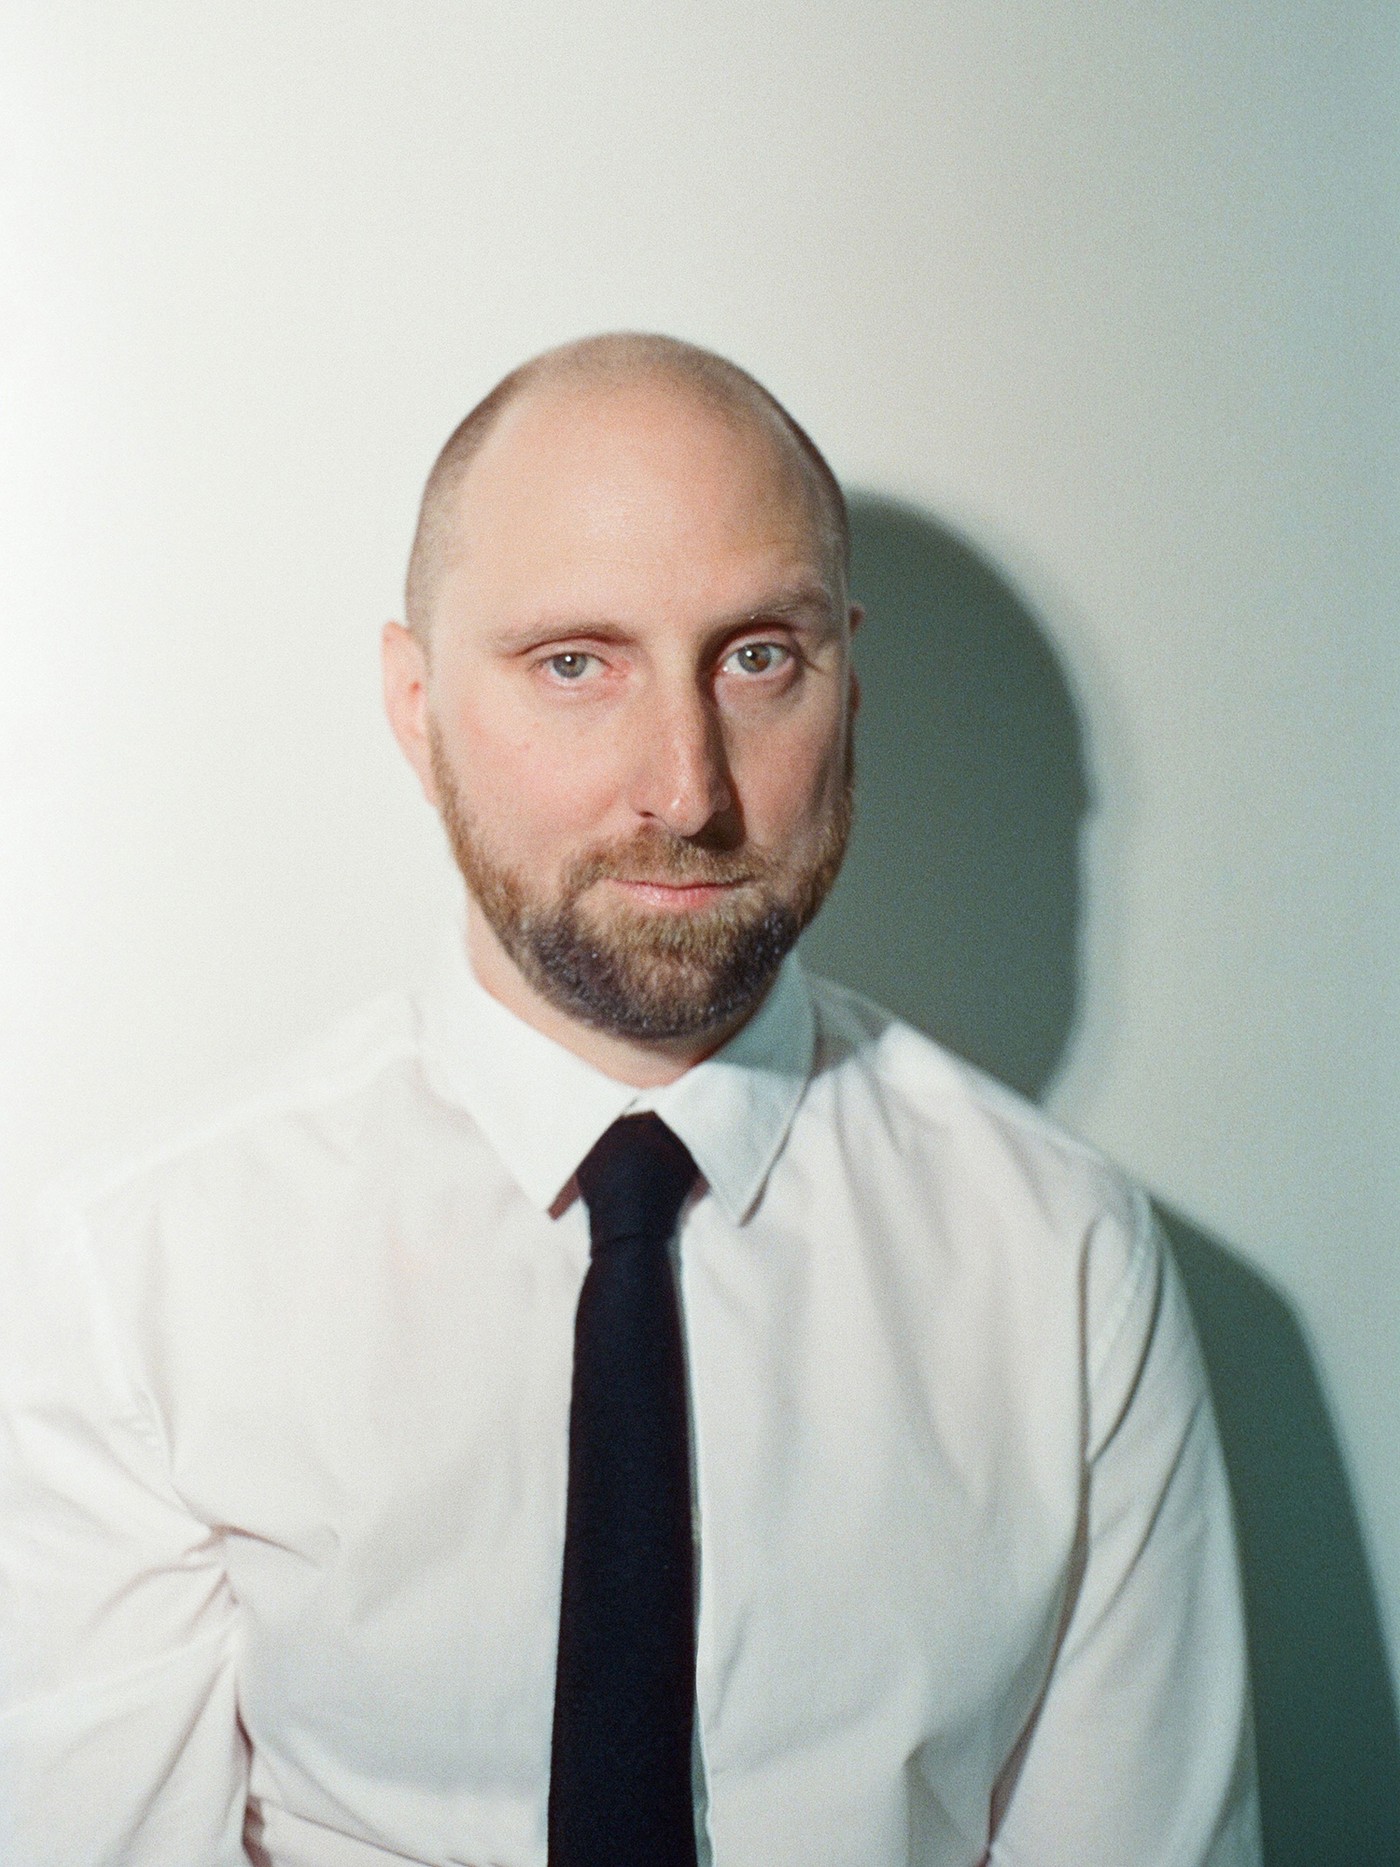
[(788, 783), (526, 788)]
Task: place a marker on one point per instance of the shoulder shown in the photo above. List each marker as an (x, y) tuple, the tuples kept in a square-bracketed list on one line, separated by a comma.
[(953, 1137), (315, 1089), (934, 1088)]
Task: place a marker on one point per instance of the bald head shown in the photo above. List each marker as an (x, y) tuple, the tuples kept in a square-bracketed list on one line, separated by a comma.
[(613, 365)]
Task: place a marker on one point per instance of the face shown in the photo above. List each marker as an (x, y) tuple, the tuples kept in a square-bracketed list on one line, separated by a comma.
[(635, 713)]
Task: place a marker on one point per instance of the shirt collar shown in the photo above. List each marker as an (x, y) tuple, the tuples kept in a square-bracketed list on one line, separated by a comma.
[(542, 1108)]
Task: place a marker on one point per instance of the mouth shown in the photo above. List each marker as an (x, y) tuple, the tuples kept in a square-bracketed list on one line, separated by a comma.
[(674, 897)]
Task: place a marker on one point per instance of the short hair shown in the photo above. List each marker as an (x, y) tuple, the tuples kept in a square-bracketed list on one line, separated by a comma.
[(615, 358)]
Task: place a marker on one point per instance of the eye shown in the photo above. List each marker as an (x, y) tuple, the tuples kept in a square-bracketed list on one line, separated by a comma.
[(570, 664), (758, 657)]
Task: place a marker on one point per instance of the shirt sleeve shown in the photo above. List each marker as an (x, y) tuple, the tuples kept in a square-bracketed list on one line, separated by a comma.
[(119, 1736), (1142, 1747)]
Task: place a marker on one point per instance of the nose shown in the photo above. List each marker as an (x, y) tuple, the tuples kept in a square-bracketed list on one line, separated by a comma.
[(681, 775)]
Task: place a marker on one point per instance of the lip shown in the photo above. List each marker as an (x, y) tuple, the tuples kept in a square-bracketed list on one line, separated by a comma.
[(673, 897)]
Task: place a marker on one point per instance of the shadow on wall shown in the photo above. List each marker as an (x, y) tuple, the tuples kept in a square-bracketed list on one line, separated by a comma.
[(958, 908)]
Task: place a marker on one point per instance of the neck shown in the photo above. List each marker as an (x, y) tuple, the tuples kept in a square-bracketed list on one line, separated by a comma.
[(645, 1063)]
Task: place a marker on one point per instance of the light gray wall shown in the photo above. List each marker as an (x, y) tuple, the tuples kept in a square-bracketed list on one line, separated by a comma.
[(1102, 294)]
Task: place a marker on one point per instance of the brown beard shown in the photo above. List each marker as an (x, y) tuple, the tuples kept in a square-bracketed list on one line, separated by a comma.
[(649, 975)]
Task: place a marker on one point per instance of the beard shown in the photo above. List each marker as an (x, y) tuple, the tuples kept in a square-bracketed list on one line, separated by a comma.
[(653, 975)]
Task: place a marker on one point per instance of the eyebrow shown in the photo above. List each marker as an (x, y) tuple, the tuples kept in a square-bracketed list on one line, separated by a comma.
[(795, 606)]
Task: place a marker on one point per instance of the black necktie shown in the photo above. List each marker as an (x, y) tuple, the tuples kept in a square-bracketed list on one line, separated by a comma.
[(620, 1784)]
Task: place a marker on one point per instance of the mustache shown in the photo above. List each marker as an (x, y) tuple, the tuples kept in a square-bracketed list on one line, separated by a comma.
[(655, 856)]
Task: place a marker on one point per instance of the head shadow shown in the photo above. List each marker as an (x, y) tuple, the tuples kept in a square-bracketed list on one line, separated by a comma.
[(959, 908)]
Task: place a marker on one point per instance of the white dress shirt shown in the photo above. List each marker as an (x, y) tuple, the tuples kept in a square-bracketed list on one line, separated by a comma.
[(286, 1413)]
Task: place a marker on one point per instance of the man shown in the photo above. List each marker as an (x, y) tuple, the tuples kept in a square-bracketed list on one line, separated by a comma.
[(634, 1404)]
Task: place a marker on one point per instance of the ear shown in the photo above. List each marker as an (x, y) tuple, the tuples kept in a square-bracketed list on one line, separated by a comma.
[(405, 667), (853, 621)]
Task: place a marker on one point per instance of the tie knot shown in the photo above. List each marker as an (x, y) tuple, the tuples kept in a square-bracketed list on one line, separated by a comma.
[(634, 1180)]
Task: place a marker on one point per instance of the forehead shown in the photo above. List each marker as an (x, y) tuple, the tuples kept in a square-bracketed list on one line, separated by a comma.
[(643, 491)]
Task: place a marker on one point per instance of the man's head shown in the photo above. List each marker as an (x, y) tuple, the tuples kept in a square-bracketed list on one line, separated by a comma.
[(626, 685)]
